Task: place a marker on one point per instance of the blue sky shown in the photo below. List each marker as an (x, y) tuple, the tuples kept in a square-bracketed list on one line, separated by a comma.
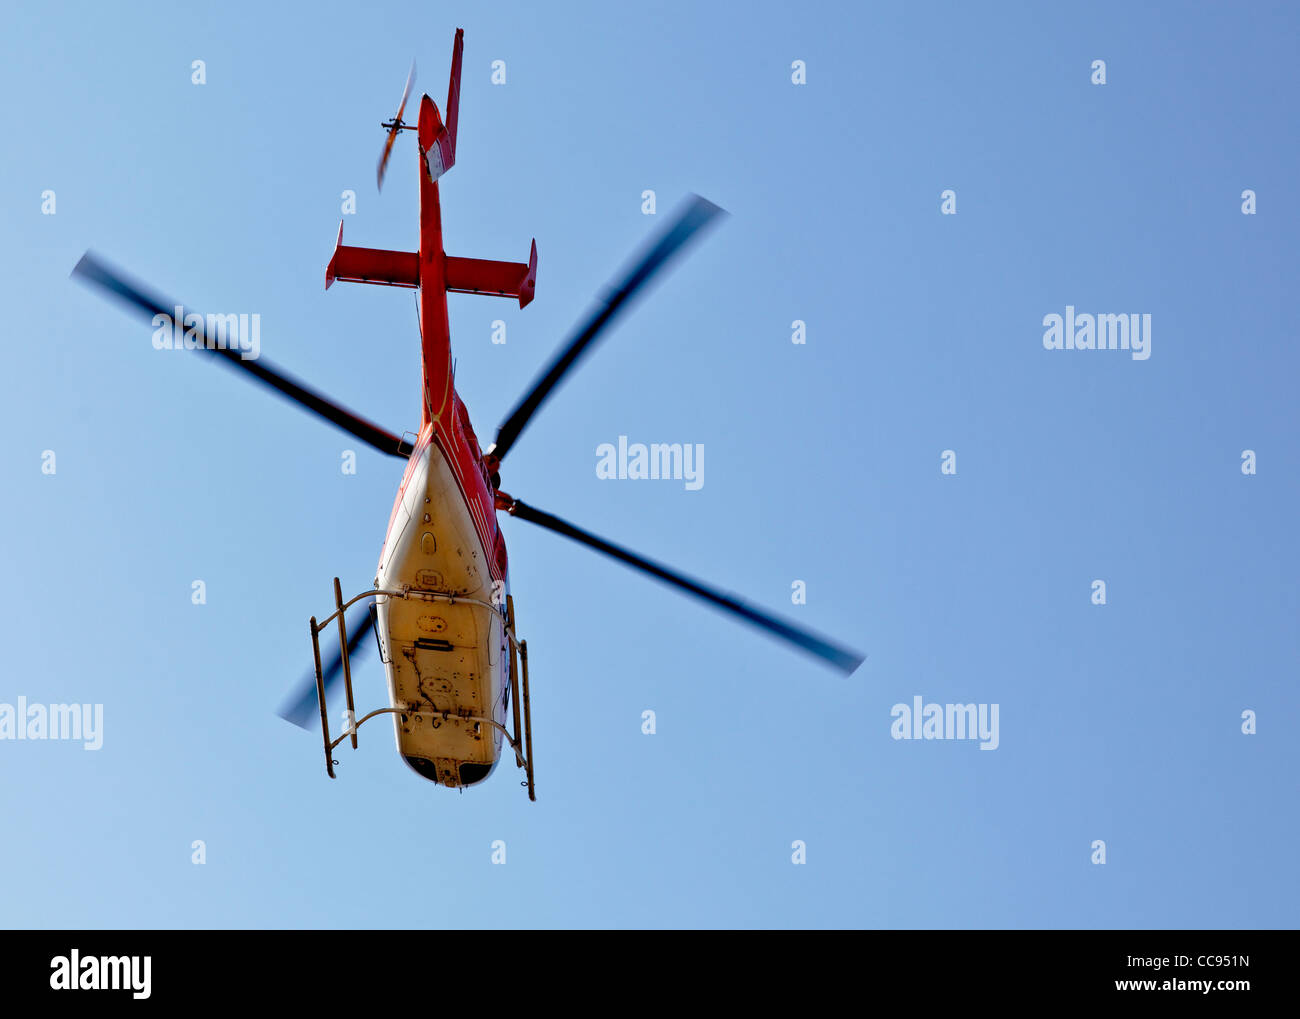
[(1119, 722)]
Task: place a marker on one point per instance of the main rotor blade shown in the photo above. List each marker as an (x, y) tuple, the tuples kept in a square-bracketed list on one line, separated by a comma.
[(841, 658), (695, 215), (304, 704), (91, 270)]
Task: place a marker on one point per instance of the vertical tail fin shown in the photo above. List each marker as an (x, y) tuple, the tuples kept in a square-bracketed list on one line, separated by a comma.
[(438, 137), (453, 90)]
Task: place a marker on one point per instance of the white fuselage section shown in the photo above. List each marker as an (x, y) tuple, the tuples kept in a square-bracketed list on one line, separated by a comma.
[(439, 656)]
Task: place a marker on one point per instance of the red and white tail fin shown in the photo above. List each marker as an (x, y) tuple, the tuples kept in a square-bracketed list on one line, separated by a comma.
[(438, 138), (453, 90)]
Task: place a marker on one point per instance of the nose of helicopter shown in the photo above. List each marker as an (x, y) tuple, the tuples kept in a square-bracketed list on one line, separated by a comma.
[(467, 773)]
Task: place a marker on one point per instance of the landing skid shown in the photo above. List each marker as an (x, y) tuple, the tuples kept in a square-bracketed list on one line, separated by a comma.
[(523, 748)]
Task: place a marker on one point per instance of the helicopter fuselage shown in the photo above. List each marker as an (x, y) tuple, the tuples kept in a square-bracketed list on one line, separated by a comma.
[(452, 659), (448, 664)]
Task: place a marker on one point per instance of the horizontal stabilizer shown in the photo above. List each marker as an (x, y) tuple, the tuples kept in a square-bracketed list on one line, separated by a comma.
[(372, 265), (499, 279)]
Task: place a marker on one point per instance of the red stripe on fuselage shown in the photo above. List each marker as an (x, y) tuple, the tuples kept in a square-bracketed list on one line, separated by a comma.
[(435, 333), (441, 419), (467, 470)]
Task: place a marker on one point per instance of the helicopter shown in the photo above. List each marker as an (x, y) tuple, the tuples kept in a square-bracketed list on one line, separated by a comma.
[(440, 608)]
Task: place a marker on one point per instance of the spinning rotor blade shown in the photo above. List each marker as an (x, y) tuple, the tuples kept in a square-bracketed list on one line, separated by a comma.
[(397, 126), (841, 658), (304, 704), (694, 216), (91, 270)]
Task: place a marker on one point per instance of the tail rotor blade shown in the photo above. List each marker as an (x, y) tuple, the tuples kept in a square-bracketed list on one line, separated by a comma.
[(303, 705), (396, 127), (841, 658), (406, 92), (694, 216)]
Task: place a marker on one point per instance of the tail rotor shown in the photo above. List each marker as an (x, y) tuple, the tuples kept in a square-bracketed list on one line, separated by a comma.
[(395, 126)]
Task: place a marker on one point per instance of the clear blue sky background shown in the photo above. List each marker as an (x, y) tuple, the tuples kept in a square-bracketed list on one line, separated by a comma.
[(1119, 722)]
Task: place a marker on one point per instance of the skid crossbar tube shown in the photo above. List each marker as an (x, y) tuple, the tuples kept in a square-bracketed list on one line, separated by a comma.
[(444, 715), (520, 743)]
